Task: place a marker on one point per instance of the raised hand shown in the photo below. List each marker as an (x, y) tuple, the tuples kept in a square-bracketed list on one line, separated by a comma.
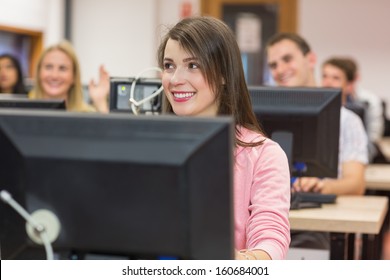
[(99, 91)]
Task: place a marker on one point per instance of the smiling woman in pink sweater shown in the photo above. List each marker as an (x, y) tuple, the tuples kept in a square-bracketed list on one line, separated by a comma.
[(203, 76)]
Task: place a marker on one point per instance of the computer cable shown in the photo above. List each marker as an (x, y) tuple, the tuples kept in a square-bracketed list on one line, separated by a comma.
[(134, 104), (42, 226)]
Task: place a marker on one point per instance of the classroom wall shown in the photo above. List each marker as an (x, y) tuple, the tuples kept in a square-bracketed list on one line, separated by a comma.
[(170, 11), (46, 16), (357, 28), (121, 34), (117, 33)]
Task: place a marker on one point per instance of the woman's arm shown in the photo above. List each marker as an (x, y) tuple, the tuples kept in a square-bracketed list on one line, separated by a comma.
[(268, 227)]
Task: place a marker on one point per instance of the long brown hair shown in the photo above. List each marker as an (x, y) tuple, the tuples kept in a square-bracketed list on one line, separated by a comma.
[(213, 43), (75, 100)]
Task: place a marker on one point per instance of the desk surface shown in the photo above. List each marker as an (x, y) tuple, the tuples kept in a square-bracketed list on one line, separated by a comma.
[(378, 177), (350, 214)]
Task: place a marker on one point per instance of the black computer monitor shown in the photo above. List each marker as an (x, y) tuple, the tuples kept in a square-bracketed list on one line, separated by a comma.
[(22, 101), (120, 94), (120, 185), (306, 122)]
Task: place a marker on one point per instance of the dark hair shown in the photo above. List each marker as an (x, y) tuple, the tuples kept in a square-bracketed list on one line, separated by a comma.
[(298, 40), (347, 65), (19, 86), (213, 43)]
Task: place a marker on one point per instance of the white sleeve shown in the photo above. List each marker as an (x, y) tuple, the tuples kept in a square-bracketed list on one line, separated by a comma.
[(353, 138)]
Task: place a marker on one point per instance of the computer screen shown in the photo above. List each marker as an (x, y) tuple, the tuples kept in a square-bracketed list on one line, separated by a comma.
[(120, 185), (120, 94), (306, 122), (22, 101)]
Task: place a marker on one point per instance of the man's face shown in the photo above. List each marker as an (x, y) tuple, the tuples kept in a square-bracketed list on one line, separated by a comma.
[(289, 66), (334, 77)]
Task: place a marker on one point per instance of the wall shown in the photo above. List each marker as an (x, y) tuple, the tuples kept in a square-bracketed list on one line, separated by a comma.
[(123, 35), (169, 11), (356, 28), (117, 33), (38, 15)]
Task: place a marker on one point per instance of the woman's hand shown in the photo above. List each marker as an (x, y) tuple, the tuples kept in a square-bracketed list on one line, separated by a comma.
[(251, 255), (99, 92)]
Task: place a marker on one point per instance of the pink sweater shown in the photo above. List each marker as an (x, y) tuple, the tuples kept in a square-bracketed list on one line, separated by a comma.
[(261, 197)]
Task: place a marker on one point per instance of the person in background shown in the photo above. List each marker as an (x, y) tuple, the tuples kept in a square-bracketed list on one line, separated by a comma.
[(338, 72), (58, 77), (341, 72), (11, 76), (375, 122), (292, 62), (203, 76)]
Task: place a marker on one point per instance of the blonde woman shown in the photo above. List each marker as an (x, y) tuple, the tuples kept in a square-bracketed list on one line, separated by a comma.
[(58, 77)]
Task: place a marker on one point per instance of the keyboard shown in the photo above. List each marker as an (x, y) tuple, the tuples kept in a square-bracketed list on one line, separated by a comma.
[(301, 200)]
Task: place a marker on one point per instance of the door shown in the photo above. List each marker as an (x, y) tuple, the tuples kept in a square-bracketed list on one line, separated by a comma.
[(254, 22)]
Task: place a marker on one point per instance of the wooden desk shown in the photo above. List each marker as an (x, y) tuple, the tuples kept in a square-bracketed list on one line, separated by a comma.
[(350, 214), (378, 183), (378, 177), (384, 146)]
